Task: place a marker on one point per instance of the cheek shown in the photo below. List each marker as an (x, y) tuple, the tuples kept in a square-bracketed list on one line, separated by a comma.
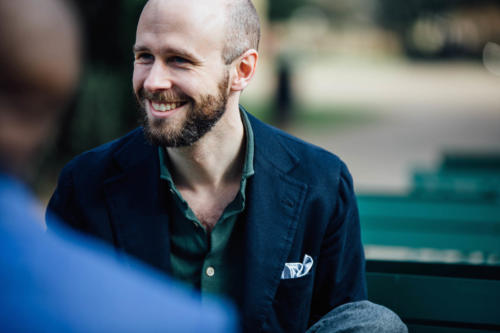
[(197, 87), (138, 78)]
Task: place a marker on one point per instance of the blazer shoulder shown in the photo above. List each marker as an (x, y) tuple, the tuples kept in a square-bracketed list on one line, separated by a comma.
[(308, 152), (100, 157), (314, 165), (317, 166)]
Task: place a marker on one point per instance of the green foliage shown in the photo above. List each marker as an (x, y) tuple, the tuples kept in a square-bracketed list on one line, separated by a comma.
[(396, 14), (315, 118), (104, 109), (105, 106), (280, 10)]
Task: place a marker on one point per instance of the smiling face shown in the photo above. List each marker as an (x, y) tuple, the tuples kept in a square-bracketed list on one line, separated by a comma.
[(180, 79)]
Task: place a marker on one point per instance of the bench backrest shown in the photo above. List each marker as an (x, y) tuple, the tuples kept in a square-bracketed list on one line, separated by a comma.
[(438, 297)]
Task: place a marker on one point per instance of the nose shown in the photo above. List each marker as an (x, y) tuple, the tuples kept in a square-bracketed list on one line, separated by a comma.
[(158, 78)]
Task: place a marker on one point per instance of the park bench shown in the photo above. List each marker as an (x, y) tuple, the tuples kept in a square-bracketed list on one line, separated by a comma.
[(454, 208), (438, 298), (413, 222), (461, 176)]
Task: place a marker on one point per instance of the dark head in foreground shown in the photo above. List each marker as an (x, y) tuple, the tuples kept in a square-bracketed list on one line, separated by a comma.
[(39, 63)]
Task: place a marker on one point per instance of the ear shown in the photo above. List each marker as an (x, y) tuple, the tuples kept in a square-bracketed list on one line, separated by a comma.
[(244, 70)]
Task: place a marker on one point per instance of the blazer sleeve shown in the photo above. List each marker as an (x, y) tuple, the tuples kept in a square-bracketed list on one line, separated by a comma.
[(340, 276)]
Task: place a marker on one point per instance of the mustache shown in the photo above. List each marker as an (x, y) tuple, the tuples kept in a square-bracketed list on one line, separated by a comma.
[(163, 96)]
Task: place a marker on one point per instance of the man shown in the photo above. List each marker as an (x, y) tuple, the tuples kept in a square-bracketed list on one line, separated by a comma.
[(209, 194), (59, 281)]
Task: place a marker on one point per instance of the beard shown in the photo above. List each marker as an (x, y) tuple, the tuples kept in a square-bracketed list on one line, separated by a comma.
[(199, 117)]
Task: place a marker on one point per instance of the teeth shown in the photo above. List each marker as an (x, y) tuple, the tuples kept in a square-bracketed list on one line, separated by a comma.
[(165, 107)]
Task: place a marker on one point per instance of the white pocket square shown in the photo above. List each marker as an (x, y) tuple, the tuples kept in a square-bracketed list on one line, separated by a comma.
[(294, 270)]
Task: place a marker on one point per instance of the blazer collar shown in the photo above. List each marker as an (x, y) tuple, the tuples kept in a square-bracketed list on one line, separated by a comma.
[(270, 147)]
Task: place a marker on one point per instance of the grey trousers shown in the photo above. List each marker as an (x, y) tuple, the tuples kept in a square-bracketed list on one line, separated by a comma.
[(359, 317)]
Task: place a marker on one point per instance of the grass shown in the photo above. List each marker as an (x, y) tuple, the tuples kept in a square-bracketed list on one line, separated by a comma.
[(319, 117)]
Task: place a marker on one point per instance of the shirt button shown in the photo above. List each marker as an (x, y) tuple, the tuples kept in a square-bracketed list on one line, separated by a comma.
[(210, 271)]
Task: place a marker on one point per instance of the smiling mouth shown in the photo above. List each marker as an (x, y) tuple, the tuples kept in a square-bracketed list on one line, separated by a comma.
[(164, 107)]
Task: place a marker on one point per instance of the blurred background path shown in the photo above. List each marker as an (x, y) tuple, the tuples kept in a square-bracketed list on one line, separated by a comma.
[(419, 111)]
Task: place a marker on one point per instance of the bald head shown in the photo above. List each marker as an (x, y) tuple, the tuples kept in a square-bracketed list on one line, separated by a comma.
[(241, 27), (39, 63)]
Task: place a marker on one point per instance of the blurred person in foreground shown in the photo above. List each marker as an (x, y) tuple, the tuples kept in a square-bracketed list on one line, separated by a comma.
[(59, 281), (206, 192)]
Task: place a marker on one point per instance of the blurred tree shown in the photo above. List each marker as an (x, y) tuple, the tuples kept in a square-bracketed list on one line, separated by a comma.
[(429, 28), (101, 24), (280, 10), (104, 107), (397, 15)]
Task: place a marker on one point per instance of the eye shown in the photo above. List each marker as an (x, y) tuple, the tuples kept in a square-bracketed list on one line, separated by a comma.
[(144, 57), (180, 61)]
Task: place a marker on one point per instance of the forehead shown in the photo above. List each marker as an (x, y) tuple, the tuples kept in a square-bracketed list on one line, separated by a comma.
[(188, 24)]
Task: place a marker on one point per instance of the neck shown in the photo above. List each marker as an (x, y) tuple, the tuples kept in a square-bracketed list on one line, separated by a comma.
[(215, 160)]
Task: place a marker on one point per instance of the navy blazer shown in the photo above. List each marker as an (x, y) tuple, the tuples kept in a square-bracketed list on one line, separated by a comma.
[(299, 201)]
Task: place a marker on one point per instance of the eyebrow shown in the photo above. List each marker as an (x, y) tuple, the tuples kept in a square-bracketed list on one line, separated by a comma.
[(168, 50)]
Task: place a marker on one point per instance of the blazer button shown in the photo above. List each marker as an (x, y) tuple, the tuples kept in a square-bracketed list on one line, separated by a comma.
[(287, 202)]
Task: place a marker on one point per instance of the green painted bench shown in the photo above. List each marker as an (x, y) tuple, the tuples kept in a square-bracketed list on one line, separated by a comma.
[(471, 161), (461, 176), (460, 185), (438, 298), (406, 221)]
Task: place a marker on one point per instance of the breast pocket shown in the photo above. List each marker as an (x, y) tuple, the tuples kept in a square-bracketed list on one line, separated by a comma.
[(292, 303), (296, 290)]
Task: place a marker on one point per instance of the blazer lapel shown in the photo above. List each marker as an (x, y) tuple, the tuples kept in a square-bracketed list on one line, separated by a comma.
[(274, 206), (137, 204)]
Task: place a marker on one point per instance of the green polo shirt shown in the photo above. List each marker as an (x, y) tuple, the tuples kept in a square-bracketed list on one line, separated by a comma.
[(209, 261)]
